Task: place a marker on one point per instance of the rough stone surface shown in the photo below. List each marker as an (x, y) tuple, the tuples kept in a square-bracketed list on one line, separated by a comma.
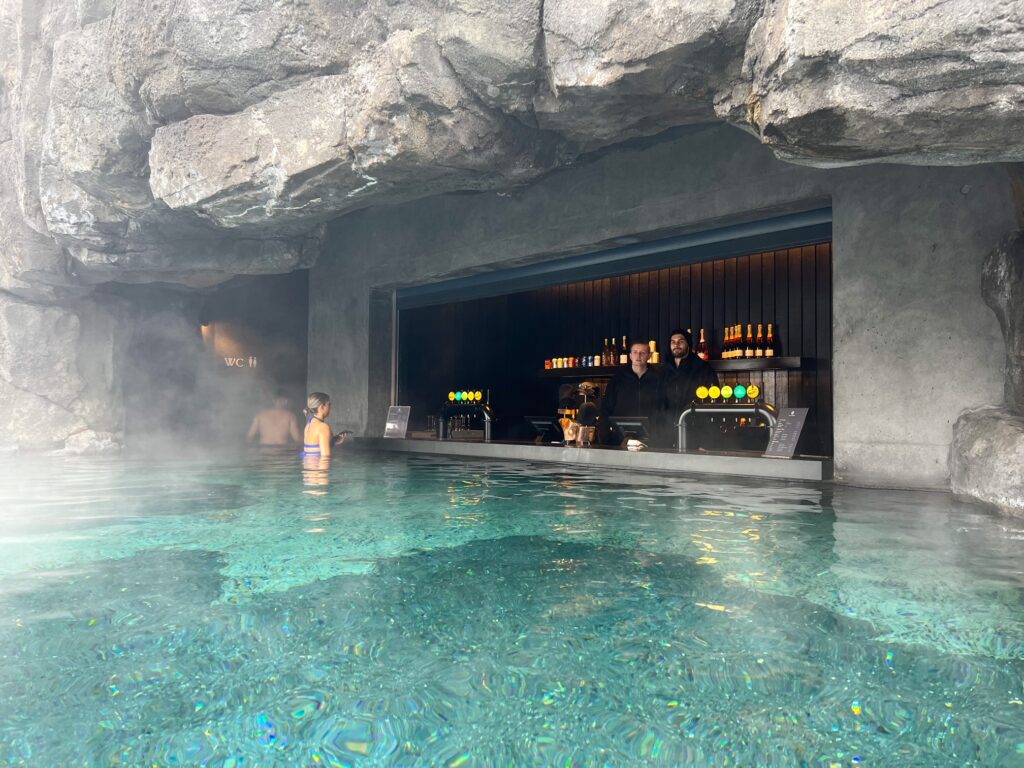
[(986, 458), (92, 442), (1002, 285), (40, 385), (136, 124), (31, 263), (829, 82), (619, 70), (398, 125)]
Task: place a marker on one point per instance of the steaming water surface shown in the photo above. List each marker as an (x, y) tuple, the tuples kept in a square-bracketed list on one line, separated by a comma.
[(406, 611)]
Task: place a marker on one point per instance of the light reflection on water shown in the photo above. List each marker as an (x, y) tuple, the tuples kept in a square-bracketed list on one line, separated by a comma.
[(415, 611)]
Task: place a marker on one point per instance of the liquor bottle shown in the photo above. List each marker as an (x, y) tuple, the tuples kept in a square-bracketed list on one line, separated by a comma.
[(655, 357), (748, 349), (604, 353), (769, 343), (733, 347), (624, 354), (727, 343), (702, 347), (759, 346)]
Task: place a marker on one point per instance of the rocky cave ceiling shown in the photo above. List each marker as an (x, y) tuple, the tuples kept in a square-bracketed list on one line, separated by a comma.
[(191, 140)]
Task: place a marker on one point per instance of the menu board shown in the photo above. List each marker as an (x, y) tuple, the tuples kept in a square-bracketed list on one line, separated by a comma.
[(398, 421), (786, 433)]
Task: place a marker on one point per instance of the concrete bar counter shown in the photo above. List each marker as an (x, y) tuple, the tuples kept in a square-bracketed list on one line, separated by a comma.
[(646, 461)]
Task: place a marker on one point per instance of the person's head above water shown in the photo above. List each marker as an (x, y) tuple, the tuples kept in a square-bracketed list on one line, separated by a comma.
[(318, 405)]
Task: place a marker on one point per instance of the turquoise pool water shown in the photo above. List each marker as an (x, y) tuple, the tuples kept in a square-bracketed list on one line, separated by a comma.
[(408, 611)]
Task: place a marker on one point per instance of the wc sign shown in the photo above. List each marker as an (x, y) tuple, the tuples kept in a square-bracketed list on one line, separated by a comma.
[(240, 362)]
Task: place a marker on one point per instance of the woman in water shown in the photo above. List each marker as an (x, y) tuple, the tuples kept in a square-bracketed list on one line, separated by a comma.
[(317, 437)]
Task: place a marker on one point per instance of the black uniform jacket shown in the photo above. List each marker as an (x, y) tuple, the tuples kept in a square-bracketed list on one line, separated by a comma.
[(631, 395), (681, 381)]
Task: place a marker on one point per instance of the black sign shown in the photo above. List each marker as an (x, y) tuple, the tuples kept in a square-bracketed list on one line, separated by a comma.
[(786, 433), (398, 421)]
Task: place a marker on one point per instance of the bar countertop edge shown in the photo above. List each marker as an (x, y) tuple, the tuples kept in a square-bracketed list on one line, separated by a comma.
[(648, 461)]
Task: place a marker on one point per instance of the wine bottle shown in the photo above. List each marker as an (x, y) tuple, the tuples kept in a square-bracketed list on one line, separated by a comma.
[(702, 347), (759, 344), (624, 354), (748, 349), (769, 343)]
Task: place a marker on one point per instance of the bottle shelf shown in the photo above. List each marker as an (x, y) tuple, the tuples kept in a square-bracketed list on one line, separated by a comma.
[(763, 364), (724, 366)]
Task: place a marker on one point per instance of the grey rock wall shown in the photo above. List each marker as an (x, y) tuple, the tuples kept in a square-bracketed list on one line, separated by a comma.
[(137, 125), (986, 457), (191, 140), (57, 374), (1002, 286), (826, 82)]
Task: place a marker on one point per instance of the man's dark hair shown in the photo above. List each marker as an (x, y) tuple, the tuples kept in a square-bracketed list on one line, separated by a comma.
[(684, 333)]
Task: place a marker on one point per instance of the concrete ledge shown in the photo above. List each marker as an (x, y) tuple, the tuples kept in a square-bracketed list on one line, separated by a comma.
[(648, 461)]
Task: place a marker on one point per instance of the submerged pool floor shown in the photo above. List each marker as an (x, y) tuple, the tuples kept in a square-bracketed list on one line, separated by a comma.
[(399, 610)]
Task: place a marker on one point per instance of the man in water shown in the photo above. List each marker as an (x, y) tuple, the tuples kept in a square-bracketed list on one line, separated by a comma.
[(276, 425)]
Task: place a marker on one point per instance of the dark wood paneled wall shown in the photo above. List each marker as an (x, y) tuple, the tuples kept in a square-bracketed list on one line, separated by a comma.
[(502, 342)]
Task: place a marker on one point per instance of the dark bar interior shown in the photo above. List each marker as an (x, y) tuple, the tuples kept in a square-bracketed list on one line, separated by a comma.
[(499, 344)]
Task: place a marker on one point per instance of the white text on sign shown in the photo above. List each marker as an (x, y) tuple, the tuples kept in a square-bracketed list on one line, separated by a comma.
[(240, 362)]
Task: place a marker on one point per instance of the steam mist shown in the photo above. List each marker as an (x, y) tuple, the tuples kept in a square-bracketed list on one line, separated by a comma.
[(200, 364)]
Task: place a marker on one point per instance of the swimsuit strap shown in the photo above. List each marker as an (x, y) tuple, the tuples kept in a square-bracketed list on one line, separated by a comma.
[(311, 449)]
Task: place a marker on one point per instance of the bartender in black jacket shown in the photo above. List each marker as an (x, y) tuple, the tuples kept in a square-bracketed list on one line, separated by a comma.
[(684, 373), (634, 391)]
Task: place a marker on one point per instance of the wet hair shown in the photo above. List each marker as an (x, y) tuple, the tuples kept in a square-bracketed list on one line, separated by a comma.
[(313, 403)]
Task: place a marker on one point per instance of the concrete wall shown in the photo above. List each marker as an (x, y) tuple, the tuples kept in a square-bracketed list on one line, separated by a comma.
[(914, 343)]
